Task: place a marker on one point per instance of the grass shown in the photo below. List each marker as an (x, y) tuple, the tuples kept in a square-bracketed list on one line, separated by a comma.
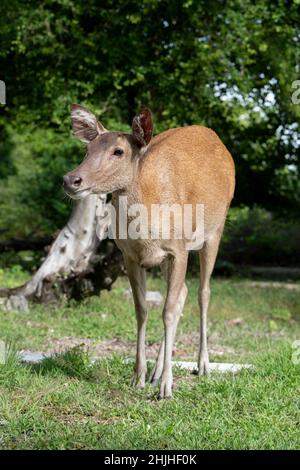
[(67, 403)]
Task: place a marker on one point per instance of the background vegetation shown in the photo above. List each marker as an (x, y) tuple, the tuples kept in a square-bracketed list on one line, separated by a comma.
[(228, 65)]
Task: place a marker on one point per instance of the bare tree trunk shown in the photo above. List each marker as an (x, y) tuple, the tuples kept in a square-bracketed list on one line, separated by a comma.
[(73, 267)]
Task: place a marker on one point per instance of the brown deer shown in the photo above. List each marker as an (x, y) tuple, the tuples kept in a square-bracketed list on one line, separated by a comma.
[(187, 165)]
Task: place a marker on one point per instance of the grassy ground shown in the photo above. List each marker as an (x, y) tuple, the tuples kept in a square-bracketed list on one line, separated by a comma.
[(67, 403)]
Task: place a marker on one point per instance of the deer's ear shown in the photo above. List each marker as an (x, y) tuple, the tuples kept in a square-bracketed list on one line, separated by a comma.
[(85, 124), (142, 127)]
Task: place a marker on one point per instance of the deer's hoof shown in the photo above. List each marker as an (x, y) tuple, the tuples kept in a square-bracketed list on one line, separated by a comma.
[(203, 367), (165, 391), (138, 381), (154, 382), (166, 397)]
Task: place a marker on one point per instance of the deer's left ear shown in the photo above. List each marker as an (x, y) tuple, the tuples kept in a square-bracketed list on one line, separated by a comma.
[(142, 127)]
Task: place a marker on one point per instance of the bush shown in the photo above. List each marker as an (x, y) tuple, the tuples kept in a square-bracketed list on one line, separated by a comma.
[(255, 236), (31, 199)]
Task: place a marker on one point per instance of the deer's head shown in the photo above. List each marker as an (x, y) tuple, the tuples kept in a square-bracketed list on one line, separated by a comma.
[(110, 156)]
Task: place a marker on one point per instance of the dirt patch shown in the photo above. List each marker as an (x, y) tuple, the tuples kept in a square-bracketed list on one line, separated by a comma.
[(186, 347), (99, 348), (73, 417)]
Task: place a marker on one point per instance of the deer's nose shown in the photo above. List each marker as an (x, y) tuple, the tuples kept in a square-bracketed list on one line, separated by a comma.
[(72, 181)]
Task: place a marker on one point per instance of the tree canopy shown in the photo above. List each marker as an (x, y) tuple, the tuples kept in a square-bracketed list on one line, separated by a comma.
[(229, 65)]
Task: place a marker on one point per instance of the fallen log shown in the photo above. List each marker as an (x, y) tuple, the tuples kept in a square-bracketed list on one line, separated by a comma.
[(24, 244), (76, 266)]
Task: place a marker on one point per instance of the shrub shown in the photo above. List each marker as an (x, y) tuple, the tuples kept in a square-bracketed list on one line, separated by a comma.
[(256, 236)]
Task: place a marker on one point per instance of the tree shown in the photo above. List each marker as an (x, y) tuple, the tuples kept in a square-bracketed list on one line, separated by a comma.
[(229, 65)]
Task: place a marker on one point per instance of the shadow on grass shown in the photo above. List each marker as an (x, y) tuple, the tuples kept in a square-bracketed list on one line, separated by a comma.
[(77, 363), (74, 362)]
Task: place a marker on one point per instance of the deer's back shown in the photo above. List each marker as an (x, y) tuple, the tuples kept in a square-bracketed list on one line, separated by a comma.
[(189, 165)]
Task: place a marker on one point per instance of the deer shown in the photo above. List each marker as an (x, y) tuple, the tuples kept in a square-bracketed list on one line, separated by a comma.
[(183, 165)]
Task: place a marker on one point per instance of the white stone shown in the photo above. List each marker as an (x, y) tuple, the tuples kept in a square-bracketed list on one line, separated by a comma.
[(213, 366), (152, 297), (32, 357), (16, 303)]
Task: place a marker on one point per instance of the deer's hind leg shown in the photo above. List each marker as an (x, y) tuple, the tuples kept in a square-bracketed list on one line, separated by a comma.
[(207, 255)]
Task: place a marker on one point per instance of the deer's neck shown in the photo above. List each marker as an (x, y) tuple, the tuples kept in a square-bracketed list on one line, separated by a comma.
[(132, 192)]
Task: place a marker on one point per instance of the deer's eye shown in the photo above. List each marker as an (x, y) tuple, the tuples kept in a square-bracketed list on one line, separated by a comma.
[(118, 152)]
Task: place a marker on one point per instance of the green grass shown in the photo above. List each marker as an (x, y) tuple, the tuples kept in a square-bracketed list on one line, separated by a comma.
[(67, 403)]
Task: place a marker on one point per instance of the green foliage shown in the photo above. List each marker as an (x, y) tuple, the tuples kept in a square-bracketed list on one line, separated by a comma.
[(32, 200), (221, 64), (255, 236), (13, 277)]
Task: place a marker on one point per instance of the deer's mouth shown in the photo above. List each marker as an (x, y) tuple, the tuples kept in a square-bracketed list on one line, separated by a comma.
[(79, 194)]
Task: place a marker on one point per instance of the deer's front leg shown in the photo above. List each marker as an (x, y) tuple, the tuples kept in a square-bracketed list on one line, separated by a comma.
[(137, 278), (157, 371), (177, 272)]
